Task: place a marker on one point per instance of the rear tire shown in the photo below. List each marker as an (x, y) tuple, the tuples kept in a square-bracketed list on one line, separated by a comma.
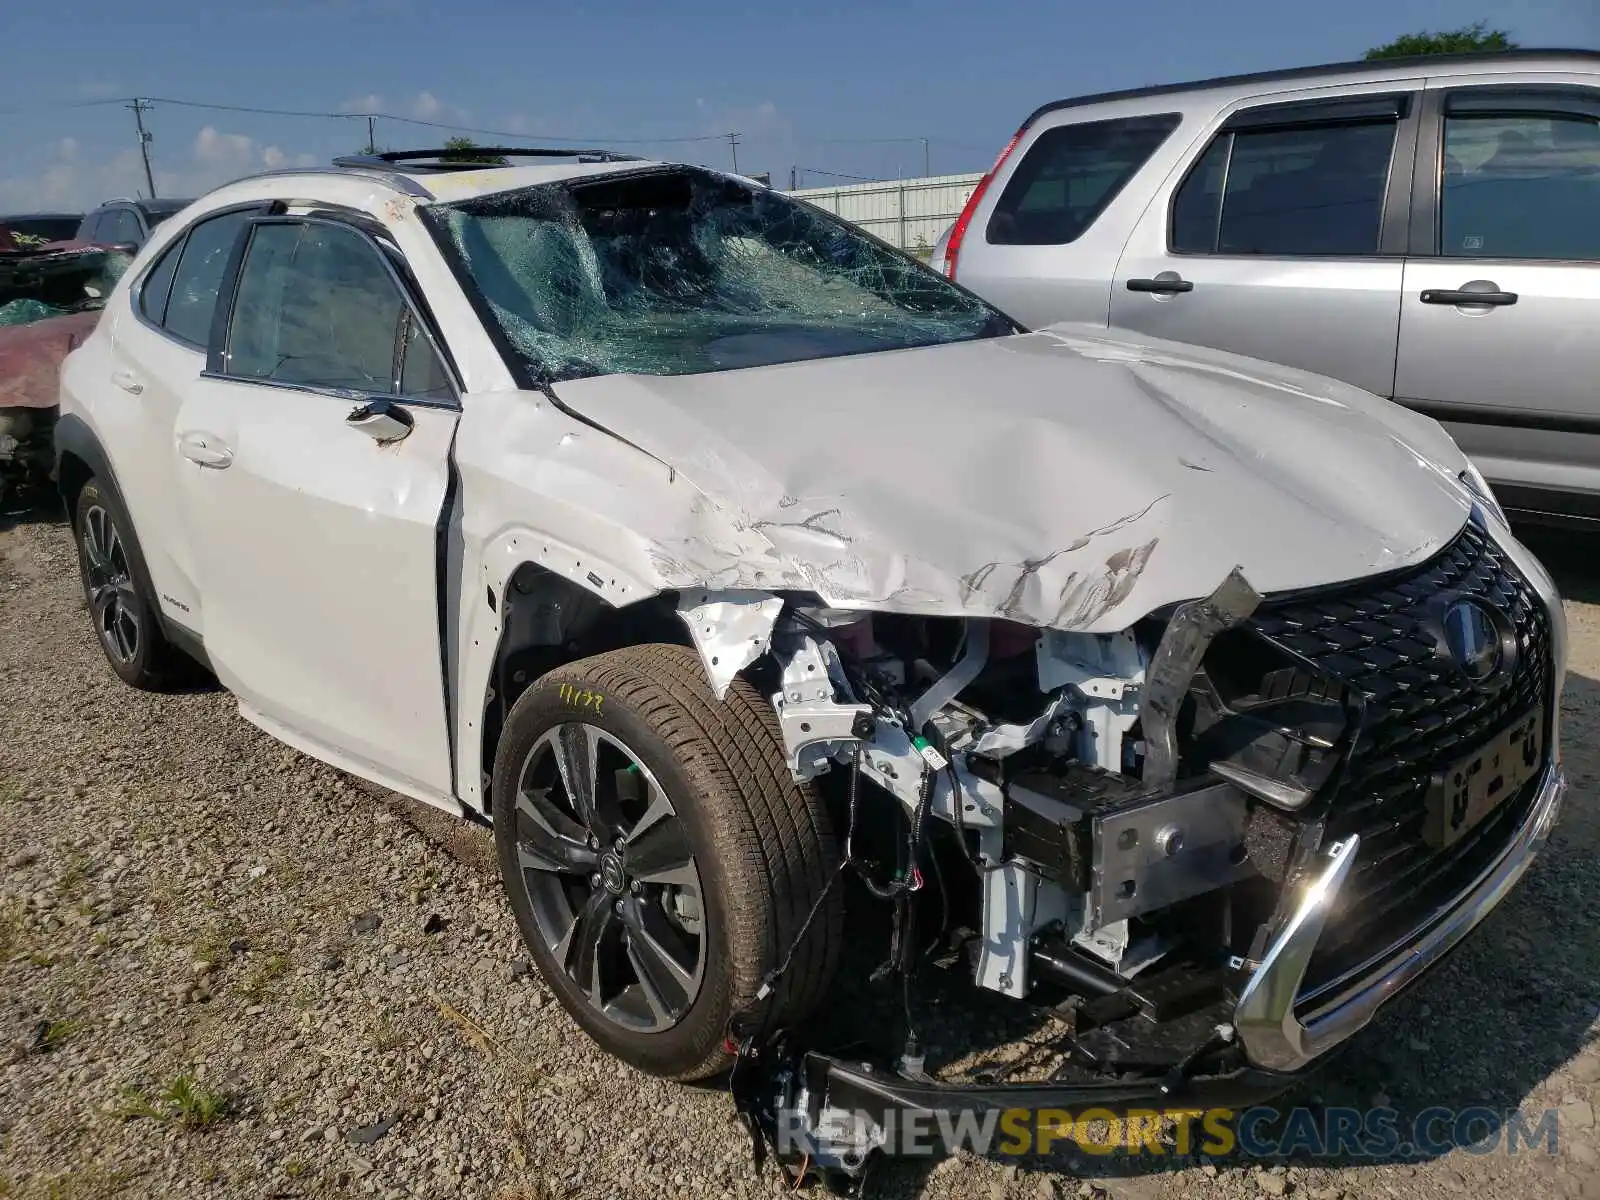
[(119, 598), (758, 847)]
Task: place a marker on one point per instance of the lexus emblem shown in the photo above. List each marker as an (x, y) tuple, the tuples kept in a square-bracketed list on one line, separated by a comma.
[(1473, 639)]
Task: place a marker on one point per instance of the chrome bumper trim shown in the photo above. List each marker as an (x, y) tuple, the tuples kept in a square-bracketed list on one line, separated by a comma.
[(1276, 1038)]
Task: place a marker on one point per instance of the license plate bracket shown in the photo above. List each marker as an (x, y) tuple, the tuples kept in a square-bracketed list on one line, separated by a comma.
[(1462, 796)]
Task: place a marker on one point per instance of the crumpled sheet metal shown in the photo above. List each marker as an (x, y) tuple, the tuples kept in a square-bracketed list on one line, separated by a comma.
[(31, 357), (730, 629), (1074, 482)]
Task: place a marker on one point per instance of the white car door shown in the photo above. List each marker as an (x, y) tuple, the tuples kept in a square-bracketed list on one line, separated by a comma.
[(318, 466), (150, 351)]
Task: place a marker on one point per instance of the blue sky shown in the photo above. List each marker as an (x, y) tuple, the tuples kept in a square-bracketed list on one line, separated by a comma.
[(804, 84)]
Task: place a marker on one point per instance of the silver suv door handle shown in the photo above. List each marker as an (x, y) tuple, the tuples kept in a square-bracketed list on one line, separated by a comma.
[(127, 381), (1165, 284), (204, 449), (1479, 291)]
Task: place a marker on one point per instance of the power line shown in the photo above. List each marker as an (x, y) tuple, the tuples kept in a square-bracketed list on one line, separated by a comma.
[(48, 106), (404, 120), (835, 174)]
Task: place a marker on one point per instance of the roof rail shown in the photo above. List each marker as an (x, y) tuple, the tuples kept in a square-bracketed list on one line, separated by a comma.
[(1373, 65), (456, 159)]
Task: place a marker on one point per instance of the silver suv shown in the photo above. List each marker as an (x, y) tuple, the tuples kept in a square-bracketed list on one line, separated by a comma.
[(1427, 229)]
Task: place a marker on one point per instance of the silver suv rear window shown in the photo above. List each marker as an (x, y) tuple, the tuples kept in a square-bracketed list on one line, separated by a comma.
[(1069, 175)]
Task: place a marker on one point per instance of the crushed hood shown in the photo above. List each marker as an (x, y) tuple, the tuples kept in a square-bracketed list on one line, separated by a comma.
[(1070, 478)]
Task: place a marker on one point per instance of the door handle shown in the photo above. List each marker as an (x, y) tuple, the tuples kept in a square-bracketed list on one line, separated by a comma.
[(127, 381), (382, 420), (1479, 291), (205, 449), (1168, 283)]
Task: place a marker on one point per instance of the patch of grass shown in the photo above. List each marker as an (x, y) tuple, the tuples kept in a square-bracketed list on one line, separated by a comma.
[(92, 1182), (211, 947), (386, 1035), (55, 1033), (42, 958), (75, 876), (11, 792), (294, 1168), (263, 974), (182, 1102), (10, 930)]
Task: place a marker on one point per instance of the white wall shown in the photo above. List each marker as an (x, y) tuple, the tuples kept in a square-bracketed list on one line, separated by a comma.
[(898, 211)]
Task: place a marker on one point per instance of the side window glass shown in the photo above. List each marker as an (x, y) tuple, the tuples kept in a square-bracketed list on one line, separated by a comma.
[(1523, 185), (1315, 189), (199, 276), (421, 373), (88, 231), (120, 226), (315, 307), (157, 286), (1069, 175)]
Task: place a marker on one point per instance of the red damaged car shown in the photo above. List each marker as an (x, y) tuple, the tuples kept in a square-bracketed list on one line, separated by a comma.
[(51, 291)]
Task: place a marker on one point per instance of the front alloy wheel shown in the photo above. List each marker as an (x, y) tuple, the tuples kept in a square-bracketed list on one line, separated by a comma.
[(610, 877), (667, 873)]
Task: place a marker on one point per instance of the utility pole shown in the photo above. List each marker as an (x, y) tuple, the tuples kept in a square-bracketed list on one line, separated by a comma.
[(793, 175), (733, 148), (140, 107), (372, 135), (925, 170)]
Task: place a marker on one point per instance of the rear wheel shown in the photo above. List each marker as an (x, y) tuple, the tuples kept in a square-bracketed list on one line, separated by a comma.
[(120, 606), (659, 858)]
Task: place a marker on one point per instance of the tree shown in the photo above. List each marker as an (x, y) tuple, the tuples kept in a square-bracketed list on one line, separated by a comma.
[(465, 150), (1477, 36)]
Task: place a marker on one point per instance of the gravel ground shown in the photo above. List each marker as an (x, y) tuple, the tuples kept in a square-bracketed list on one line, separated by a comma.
[(229, 971)]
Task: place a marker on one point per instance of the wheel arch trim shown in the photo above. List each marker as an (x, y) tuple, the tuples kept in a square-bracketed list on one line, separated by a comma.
[(74, 439)]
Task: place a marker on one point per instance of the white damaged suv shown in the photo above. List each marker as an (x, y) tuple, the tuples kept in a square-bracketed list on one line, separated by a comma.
[(751, 578)]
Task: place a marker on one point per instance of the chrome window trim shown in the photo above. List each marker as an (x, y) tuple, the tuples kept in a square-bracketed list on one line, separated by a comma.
[(354, 395)]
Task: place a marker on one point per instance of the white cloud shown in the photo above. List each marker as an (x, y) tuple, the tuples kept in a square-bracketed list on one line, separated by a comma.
[(426, 107), (223, 149), (73, 179), (372, 102), (98, 89)]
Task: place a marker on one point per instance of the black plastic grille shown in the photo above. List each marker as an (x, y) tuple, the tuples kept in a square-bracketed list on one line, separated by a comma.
[(1421, 714)]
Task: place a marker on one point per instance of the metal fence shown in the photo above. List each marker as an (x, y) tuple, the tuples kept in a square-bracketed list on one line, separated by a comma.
[(910, 213)]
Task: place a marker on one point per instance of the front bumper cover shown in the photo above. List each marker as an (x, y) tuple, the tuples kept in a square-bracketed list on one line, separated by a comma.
[(1283, 1029), (826, 1114)]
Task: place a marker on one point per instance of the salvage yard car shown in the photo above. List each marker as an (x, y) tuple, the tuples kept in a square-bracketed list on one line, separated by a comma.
[(1422, 228), (715, 552)]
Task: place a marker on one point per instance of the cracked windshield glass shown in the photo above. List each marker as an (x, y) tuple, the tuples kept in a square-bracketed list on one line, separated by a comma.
[(680, 272)]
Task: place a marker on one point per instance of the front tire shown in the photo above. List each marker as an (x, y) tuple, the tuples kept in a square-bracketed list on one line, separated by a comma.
[(659, 858), (119, 600)]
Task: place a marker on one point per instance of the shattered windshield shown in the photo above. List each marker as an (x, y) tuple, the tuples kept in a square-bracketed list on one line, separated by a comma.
[(676, 272)]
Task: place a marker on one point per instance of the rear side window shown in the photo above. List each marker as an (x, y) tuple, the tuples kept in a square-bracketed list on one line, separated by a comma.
[(119, 226), (157, 286), (88, 231), (1069, 175), (198, 277), (1314, 189), (1521, 185)]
